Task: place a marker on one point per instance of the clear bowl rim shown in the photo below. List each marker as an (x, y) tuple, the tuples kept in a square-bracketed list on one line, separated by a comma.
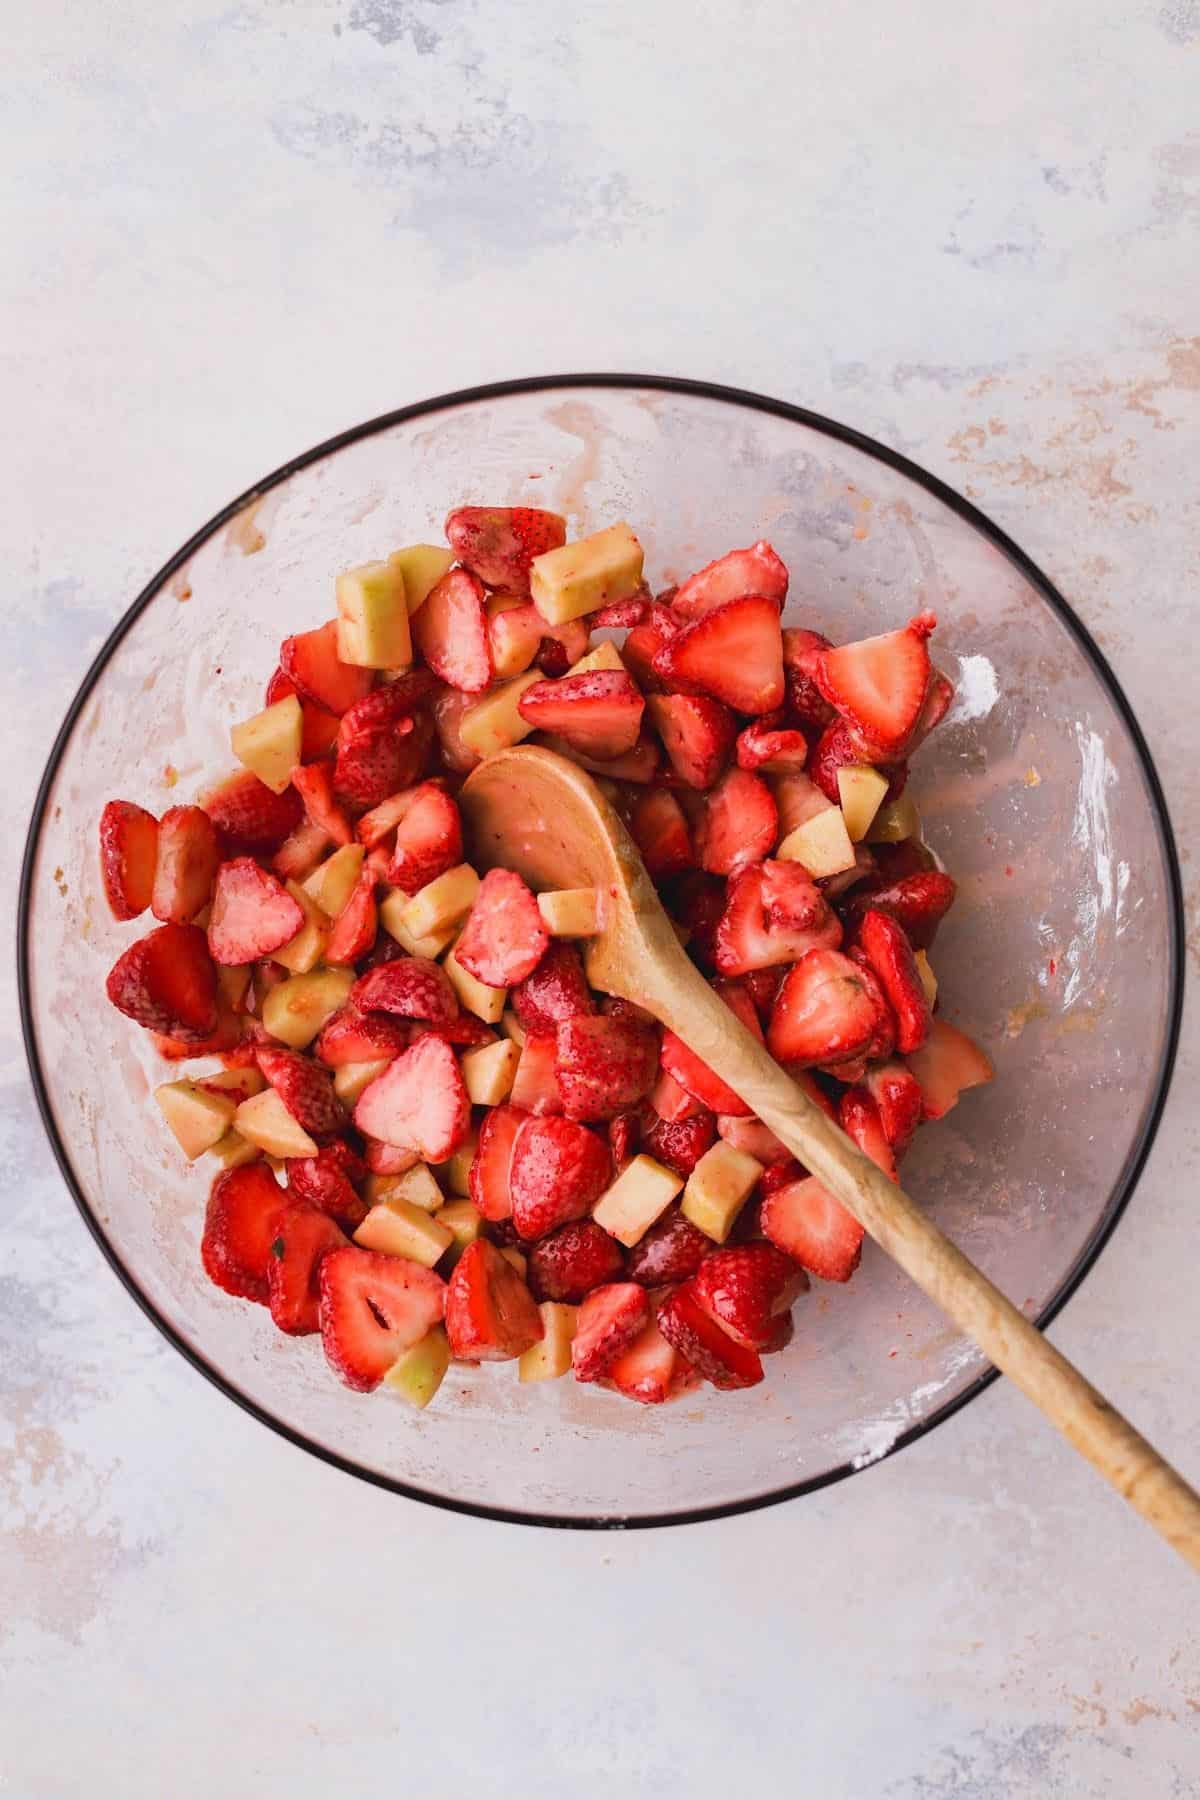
[(956, 503)]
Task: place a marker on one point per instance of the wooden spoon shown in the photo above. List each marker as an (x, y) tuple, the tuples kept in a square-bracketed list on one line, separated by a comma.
[(535, 812)]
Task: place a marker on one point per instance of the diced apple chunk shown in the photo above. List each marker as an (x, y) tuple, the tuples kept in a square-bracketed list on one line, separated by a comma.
[(295, 1011), (353, 1079), (269, 743), (422, 566), (233, 1150), (391, 916), (605, 659), (457, 1168), (332, 882), (488, 1072), (415, 1185), (372, 617), (821, 845), (398, 1228), (442, 902), (495, 722), (895, 821), (594, 571), (487, 1003), (460, 1218), (198, 1120), (861, 791), (717, 1189), (305, 950), (928, 978), (640, 1194), (512, 650), (550, 1357), (264, 1120), (512, 1028), (571, 912), (419, 1373)]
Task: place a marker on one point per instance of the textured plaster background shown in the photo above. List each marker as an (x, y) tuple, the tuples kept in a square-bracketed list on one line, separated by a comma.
[(231, 229)]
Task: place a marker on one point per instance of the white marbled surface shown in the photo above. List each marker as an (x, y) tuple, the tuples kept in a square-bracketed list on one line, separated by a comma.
[(233, 229)]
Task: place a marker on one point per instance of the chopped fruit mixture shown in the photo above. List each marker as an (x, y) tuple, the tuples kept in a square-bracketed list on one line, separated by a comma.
[(434, 1141)]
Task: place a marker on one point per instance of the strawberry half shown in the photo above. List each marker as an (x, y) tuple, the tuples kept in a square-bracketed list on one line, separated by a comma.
[(774, 914), (491, 1166), (311, 663), (885, 944), (314, 784), (739, 824), (557, 989), (805, 1221), (599, 713), (672, 1250), (353, 1037), (680, 1143), (376, 761), (572, 1261), (166, 982), (610, 1320), (326, 1181), (239, 1227), (771, 746), (559, 1169), (128, 853), (918, 902), (897, 1094), (186, 865), (708, 1347), (248, 815), (805, 702), (859, 1118), (827, 1011), (697, 734), (412, 986), (304, 1236), (698, 1079), (738, 573), (661, 833), (305, 1088), (418, 1103), (603, 1065), (318, 732), (747, 1290), (498, 543), (300, 852), (372, 1309), (651, 1370), (504, 938), (450, 633), (355, 927), (947, 1063), (879, 685), (734, 654), (490, 1314), (428, 838), (755, 1139), (252, 913)]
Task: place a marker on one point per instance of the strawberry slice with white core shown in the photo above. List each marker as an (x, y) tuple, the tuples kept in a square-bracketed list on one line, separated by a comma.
[(311, 663), (599, 713), (697, 733), (739, 824), (186, 865), (498, 543), (880, 684), (805, 1221), (559, 1169), (450, 632), (774, 914), (610, 1321), (746, 1289), (734, 654), (738, 573), (698, 1079), (504, 937), (304, 1236), (948, 1063), (239, 1227), (412, 986), (603, 1065), (252, 913), (166, 982), (490, 1314), (306, 1089), (489, 1176), (128, 854), (372, 1309), (825, 1012), (428, 838), (708, 1347), (419, 1102)]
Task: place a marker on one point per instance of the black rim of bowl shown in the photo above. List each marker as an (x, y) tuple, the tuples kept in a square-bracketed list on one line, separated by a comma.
[(842, 434)]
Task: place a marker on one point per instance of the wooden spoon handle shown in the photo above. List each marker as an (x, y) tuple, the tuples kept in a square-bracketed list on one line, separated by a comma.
[(938, 1267)]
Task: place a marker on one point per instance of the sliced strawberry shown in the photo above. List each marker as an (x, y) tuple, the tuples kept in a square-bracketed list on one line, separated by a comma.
[(698, 735), (128, 852), (311, 663), (805, 701), (166, 982), (738, 573), (838, 748), (739, 824), (428, 838), (738, 999), (304, 1236), (464, 1031), (498, 543), (897, 1093), (651, 1370), (388, 1159), (376, 826), (504, 937), (490, 1314), (372, 1309), (698, 1079), (622, 615), (644, 643), (571, 1262), (535, 1086), (661, 833), (885, 944), (412, 986), (697, 901), (919, 902), (755, 1139), (762, 985), (938, 702), (672, 1102), (559, 1169), (947, 1063), (252, 913), (248, 815), (186, 864), (354, 1037), (379, 760), (803, 1219), (624, 1135), (708, 1347), (603, 1065), (672, 1250), (557, 989), (879, 684), (355, 926), (491, 1189), (599, 713), (680, 1143), (774, 914), (305, 1088), (734, 654), (641, 764), (860, 1119), (827, 1011), (450, 632), (769, 745), (318, 729), (239, 1227), (326, 1181), (314, 784), (745, 1290), (419, 1102), (610, 1320), (300, 851)]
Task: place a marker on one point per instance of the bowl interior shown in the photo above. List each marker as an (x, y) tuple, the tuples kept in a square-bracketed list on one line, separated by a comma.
[(1035, 794)]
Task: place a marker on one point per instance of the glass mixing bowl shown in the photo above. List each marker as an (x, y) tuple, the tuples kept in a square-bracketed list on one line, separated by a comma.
[(1063, 954)]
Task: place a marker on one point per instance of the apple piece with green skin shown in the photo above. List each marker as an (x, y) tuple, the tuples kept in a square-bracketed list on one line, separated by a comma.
[(594, 571), (372, 617), (269, 743), (419, 1373)]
